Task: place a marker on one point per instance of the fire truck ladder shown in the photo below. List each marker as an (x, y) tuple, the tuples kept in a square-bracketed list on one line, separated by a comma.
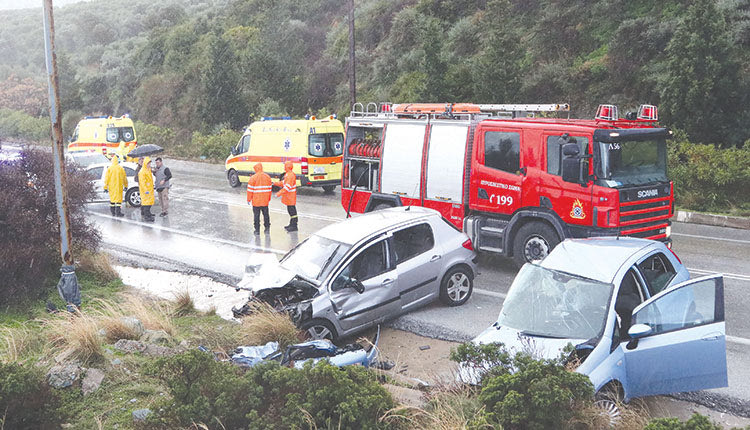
[(455, 110)]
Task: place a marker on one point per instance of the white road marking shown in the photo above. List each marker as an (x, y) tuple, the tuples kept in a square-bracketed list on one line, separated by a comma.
[(195, 235), (490, 293), (740, 340), (737, 276), (696, 236)]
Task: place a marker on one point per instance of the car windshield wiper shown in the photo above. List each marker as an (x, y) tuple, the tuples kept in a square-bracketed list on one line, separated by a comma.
[(333, 254), (546, 336)]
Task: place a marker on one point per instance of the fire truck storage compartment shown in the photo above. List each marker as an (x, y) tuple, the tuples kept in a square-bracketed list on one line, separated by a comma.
[(364, 147), (446, 160), (402, 159)]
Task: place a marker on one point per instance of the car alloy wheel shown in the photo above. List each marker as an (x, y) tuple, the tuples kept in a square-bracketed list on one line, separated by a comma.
[(319, 329), (458, 286), (610, 410)]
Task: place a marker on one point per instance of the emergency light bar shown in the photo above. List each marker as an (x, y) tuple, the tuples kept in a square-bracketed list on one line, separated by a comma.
[(607, 113), (648, 112)]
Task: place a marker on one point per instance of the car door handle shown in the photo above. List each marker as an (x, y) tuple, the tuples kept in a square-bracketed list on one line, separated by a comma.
[(710, 337), (436, 257), (387, 281)]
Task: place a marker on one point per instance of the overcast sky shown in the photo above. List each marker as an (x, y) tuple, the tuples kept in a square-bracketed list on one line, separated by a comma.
[(26, 4)]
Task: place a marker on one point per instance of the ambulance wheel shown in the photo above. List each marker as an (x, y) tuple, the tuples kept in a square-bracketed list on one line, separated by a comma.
[(133, 197), (318, 329), (533, 242), (234, 178), (328, 189)]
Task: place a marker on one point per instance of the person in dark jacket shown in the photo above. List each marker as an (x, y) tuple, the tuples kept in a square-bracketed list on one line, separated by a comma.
[(162, 177)]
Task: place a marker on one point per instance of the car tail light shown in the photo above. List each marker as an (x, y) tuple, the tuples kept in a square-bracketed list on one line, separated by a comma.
[(468, 245), (304, 169), (673, 253)]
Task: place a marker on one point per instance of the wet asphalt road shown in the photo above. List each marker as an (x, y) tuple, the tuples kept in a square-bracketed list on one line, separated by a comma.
[(209, 228)]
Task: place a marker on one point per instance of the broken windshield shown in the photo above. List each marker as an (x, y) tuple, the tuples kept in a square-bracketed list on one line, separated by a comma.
[(633, 162), (548, 303), (315, 258)]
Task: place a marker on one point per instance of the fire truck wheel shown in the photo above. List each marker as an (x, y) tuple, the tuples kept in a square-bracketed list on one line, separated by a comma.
[(533, 242), (234, 178), (318, 329), (456, 287)]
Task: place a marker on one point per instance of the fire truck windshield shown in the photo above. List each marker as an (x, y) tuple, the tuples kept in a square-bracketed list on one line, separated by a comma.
[(632, 162)]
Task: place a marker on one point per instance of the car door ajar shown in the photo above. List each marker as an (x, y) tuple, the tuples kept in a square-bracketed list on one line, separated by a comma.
[(379, 300), (686, 348)]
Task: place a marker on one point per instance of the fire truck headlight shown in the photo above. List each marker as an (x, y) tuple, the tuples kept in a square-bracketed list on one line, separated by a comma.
[(669, 231)]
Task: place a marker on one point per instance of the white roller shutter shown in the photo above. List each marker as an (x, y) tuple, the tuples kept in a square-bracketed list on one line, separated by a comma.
[(445, 162), (402, 159)]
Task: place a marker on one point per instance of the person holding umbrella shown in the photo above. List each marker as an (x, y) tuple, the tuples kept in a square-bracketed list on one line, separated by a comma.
[(146, 186)]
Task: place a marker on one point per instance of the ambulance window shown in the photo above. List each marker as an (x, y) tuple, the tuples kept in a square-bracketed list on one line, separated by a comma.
[(113, 135), (244, 144), (336, 141), (75, 135), (317, 144), (502, 150), (554, 152), (127, 134)]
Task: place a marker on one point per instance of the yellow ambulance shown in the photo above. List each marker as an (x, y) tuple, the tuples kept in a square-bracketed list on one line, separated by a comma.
[(106, 134), (314, 146)]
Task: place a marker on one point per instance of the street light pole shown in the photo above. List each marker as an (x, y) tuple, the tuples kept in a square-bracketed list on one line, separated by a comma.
[(68, 285), (352, 65)]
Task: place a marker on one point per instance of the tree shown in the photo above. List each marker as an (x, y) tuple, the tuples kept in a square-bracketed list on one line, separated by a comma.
[(220, 99), (698, 93)]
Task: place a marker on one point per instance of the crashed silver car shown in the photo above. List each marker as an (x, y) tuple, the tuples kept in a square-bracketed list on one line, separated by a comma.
[(639, 325), (365, 270)]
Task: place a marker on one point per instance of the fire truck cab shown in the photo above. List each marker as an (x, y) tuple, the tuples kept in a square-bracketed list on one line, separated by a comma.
[(517, 184)]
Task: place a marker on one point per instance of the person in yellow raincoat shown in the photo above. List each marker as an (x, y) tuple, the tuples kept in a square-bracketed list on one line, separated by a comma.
[(115, 181), (146, 188)]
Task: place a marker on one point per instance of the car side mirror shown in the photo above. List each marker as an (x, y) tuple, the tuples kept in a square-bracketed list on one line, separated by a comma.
[(571, 169), (356, 285), (571, 150), (639, 330), (233, 150)]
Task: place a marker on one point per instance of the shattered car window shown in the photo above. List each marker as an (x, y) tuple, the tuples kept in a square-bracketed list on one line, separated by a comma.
[(549, 303), (315, 257)]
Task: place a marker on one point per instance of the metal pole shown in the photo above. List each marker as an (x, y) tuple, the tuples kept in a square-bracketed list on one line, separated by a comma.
[(352, 74), (68, 285)]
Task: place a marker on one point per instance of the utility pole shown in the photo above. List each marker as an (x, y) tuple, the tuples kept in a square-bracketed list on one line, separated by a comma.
[(68, 285), (352, 64)]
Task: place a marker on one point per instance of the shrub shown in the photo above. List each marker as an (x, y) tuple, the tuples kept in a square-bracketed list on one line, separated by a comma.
[(77, 334), (267, 396), (215, 146), (183, 303), (29, 228), (696, 422), (20, 125), (26, 401), (708, 178), (155, 315), (153, 134)]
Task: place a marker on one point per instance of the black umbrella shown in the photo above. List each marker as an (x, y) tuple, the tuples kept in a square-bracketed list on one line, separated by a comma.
[(145, 150)]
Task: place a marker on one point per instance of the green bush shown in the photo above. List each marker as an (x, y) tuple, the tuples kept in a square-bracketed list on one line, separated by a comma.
[(267, 396), (153, 134), (707, 178), (696, 422), (520, 392), (20, 125), (26, 401), (215, 146)]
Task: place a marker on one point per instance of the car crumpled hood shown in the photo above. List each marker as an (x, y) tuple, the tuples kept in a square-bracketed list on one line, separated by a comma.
[(263, 271), (514, 341)]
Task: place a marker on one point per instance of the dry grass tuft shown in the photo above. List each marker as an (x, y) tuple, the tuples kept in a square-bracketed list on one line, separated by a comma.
[(183, 304), (16, 343), (265, 325), (154, 315), (449, 408), (76, 333), (97, 263), (109, 317)]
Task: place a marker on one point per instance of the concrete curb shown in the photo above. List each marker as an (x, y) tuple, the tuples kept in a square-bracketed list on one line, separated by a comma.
[(711, 219)]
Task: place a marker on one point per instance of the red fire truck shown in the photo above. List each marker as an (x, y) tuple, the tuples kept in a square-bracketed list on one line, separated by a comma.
[(514, 178)]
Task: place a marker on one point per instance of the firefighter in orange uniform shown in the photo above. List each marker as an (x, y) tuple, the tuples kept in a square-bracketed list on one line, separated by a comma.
[(288, 193), (258, 195)]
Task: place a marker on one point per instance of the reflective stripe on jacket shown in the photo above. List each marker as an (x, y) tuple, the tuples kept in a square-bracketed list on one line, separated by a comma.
[(259, 187), (288, 191)]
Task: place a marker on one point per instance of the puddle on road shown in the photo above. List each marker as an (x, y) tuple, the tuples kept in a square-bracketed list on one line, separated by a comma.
[(206, 292)]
